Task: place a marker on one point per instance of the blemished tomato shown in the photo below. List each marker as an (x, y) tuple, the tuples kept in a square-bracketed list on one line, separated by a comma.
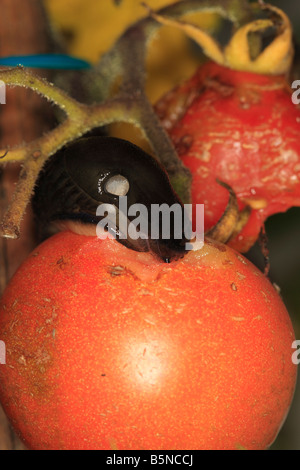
[(241, 128), (111, 349)]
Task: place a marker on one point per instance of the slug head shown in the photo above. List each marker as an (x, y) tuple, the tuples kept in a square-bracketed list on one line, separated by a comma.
[(98, 173)]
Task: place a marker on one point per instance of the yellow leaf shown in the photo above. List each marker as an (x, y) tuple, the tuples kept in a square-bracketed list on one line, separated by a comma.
[(95, 25)]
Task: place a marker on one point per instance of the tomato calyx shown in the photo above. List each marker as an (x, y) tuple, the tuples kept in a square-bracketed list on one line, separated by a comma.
[(232, 221), (246, 50)]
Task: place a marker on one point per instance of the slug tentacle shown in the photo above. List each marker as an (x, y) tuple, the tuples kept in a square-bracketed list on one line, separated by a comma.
[(97, 174)]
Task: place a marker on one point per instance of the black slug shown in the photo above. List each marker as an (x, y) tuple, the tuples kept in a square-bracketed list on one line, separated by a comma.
[(94, 171)]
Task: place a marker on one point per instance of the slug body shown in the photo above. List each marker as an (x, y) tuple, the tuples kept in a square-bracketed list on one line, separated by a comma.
[(94, 174)]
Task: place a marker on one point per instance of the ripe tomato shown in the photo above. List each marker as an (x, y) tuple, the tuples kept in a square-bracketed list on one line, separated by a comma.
[(243, 129), (111, 349)]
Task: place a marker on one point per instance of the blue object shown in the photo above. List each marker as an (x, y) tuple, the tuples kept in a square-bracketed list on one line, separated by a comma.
[(46, 61)]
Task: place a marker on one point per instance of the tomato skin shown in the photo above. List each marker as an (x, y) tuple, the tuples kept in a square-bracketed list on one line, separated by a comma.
[(241, 128), (110, 349)]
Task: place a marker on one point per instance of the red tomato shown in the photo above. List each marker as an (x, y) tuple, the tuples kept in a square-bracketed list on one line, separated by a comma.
[(243, 129), (111, 349)]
